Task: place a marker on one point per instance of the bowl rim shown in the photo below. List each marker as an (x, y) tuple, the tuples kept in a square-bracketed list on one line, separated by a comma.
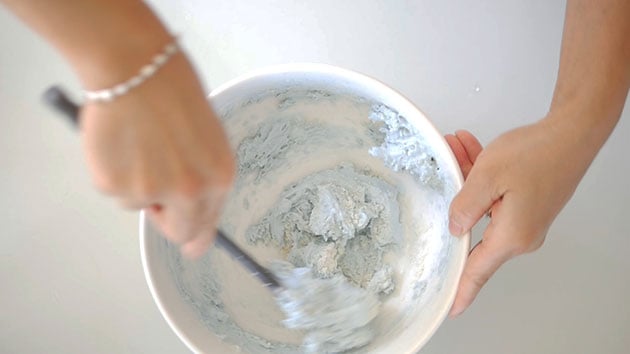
[(361, 80)]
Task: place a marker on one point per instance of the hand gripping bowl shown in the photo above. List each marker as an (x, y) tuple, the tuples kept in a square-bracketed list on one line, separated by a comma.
[(336, 172)]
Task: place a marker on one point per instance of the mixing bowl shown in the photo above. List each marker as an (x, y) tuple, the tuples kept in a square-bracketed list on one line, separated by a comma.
[(297, 124)]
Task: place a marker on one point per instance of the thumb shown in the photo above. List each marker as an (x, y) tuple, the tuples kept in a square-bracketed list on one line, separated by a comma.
[(484, 260), (472, 202)]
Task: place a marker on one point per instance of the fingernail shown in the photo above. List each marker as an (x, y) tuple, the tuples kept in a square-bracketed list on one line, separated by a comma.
[(455, 228), (455, 313)]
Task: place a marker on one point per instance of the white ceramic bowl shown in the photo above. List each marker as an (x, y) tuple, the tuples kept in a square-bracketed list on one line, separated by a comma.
[(431, 259)]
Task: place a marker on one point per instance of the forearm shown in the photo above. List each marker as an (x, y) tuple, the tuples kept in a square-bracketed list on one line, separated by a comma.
[(594, 73), (105, 41), (527, 175)]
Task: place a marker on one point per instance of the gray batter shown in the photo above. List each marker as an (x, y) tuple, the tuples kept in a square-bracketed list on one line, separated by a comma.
[(335, 315), (334, 225)]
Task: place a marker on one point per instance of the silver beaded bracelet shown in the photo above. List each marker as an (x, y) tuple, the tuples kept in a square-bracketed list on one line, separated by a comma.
[(109, 94)]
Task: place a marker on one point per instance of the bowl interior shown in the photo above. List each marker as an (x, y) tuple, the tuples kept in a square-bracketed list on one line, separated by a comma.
[(288, 124)]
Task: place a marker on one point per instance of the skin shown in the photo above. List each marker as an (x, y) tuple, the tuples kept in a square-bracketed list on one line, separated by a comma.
[(161, 147), (527, 175)]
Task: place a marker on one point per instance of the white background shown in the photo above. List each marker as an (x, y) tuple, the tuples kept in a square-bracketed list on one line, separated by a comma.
[(70, 273)]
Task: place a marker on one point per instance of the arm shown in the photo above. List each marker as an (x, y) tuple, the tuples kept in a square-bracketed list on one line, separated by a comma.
[(527, 175), (594, 74), (160, 146), (104, 41)]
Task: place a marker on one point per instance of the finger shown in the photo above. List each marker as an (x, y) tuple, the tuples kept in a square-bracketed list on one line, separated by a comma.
[(465, 164), (198, 246), (484, 260), (134, 204), (181, 219), (473, 201), (152, 212), (470, 143), (156, 217)]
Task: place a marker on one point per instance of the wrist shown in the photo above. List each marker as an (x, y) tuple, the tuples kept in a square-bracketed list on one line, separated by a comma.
[(117, 58), (589, 111), (147, 71), (580, 134), (105, 41)]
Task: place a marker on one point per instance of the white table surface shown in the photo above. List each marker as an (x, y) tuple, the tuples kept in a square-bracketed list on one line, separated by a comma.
[(70, 273)]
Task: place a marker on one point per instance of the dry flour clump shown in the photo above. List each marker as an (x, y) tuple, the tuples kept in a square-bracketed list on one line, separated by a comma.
[(335, 227), (338, 221)]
